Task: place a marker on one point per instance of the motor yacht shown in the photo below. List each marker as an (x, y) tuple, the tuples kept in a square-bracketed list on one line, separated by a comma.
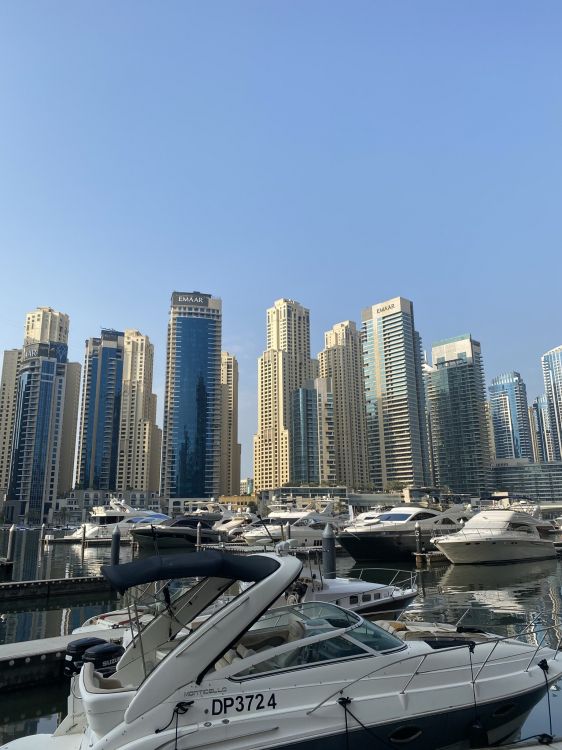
[(304, 528), (310, 675), (104, 518), (499, 536), (175, 533), (392, 536)]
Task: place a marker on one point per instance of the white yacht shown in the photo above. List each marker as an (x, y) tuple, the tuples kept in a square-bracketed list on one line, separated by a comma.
[(498, 536), (311, 675), (104, 518), (304, 531), (392, 535)]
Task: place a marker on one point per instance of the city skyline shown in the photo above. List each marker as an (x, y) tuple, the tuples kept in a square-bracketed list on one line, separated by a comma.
[(248, 409), (397, 150)]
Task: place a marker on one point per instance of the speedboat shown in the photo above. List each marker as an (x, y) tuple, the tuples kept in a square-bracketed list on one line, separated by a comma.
[(499, 536), (305, 529), (392, 536), (104, 518), (311, 675)]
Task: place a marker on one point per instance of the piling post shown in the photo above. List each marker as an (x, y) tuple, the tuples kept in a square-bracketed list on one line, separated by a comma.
[(288, 530), (10, 552), (329, 552), (42, 536), (418, 533), (115, 545), (83, 535), (198, 542)]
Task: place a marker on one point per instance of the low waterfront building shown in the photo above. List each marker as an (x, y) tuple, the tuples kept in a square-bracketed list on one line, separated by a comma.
[(540, 482)]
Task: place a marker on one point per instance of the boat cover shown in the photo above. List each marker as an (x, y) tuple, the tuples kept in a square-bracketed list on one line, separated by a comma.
[(212, 563)]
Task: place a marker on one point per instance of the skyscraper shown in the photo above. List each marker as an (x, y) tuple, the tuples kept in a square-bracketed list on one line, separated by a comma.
[(541, 434), (191, 448), (395, 400), (102, 383), (552, 374), (230, 447), (138, 436), (8, 400), (342, 362), (509, 412), (284, 366), (312, 434), (457, 412), (46, 400)]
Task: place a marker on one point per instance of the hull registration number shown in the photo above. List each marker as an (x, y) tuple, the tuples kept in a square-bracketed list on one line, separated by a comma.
[(240, 703)]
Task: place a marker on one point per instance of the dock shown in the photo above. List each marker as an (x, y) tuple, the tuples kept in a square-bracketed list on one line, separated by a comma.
[(53, 587), (35, 662), (99, 542), (429, 559)]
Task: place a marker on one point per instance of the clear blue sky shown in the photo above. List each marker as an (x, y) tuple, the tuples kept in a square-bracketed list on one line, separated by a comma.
[(339, 153)]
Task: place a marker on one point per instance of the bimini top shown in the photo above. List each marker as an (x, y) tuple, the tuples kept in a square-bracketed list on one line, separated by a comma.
[(189, 565)]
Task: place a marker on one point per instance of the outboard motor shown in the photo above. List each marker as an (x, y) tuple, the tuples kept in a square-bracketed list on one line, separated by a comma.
[(75, 650), (104, 657)]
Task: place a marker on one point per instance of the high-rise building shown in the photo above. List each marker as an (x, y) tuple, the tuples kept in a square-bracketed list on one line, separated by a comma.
[(509, 412), (8, 400), (552, 374), (395, 400), (45, 324), (457, 412), (541, 435), (102, 384), (342, 362), (43, 434), (312, 434), (191, 436), (230, 447), (139, 441), (284, 366)]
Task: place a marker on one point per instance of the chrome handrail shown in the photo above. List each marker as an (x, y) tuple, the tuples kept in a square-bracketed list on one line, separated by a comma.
[(470, 647)]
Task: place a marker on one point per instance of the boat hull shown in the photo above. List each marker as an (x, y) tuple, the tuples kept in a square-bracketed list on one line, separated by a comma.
[(387, 545), (496, 551), (169, 538)]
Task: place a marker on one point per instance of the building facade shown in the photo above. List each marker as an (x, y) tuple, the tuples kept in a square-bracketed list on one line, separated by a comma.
[(552, 374), (191, 438), (342, 362), (394, 394), (230, 447), (509, 413), (43, 431), (457, 412), (312, 434), (540, 482), (541, 434), (102, 385), (8, 400), (284, 367), (139, 439)]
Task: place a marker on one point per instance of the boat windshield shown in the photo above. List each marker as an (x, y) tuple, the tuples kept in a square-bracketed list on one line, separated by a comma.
[(291, 637)]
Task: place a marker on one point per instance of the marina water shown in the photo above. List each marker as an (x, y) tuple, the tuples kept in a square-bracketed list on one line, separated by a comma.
[(503, 599)]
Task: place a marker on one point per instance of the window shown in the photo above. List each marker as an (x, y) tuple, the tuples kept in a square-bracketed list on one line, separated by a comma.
[(376, 638)]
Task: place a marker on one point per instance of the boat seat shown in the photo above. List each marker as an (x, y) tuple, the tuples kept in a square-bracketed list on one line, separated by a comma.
[(229, 657), (95, 682), (394, 627), (243, 652), (295, 631)]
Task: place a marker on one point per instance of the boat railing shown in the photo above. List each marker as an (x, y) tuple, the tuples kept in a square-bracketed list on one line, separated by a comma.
[(405, 579), (480, 532), (471, 648)]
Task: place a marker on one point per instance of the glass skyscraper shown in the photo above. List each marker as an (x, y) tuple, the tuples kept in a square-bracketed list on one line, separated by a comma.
[(102, 385), (510, 417), (191, 435), (457, 411), (37, 432), (541, 435), (396, 426), (552, 374), (312, 433)]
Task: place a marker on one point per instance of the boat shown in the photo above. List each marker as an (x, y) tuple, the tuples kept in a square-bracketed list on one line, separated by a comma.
[(365, 597), (104, 518), (181, 532), (309, 676), (499, 536), (392, 536), (304, 528)]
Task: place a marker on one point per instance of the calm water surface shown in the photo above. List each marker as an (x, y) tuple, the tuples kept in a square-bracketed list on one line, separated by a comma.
[(504, 599)]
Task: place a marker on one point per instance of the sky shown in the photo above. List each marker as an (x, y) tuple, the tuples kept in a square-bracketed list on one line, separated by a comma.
[(335, 153)]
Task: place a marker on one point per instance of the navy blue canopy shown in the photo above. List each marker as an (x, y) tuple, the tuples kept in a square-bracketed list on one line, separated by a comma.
[(189, 565)]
